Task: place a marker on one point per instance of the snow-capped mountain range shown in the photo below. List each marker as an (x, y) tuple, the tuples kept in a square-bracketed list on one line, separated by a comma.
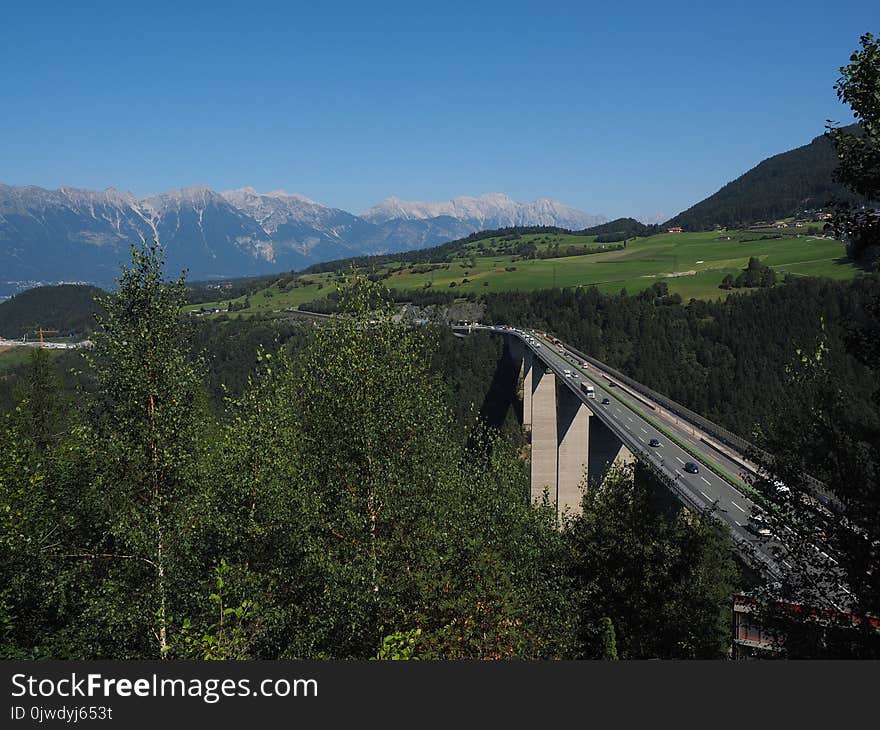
[(492, 210), (72, 233)]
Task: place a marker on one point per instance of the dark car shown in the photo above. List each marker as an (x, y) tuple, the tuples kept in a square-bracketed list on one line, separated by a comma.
[(691, 468), (605, 401), (654, 442), (759, 530)]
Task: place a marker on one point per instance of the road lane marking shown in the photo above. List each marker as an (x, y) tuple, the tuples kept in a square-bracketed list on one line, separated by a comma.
[(705, 495), (706, 480), (643, 430), (680, 460), (737, 506), (737, 523), (641, 439)]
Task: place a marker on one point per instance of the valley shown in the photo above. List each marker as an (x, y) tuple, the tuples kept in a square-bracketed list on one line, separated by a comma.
[(692, 265)]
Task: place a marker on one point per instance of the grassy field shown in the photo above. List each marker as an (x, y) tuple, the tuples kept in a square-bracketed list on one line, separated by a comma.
[(11, 357), (692, 264)]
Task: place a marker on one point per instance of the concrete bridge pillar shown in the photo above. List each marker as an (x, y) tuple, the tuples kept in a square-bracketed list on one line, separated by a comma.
[(624, 456), (543, 423), (574, 448)]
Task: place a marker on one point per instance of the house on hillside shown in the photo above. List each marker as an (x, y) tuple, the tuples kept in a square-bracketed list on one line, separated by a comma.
[(675, 229)]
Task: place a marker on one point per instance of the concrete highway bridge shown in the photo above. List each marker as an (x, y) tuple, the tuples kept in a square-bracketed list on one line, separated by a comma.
[(584, 416)]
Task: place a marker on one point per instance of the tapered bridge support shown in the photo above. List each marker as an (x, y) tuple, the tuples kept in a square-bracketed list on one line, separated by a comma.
[(570, 447), (544, 433), (573, 430)]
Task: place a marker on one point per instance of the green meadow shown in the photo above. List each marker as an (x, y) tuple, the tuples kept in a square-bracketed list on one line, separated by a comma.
[(13, 357), (692, 264)]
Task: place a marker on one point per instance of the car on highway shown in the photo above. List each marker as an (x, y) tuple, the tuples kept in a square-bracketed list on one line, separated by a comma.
[(575, 375), (760, 529), (654, 442), (691, 468), (605, 401)]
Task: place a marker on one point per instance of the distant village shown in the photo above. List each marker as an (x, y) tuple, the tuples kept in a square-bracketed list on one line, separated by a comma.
[(797, 222)]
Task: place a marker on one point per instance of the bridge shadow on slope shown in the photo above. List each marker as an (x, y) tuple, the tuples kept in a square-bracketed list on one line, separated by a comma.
[(502, 393)]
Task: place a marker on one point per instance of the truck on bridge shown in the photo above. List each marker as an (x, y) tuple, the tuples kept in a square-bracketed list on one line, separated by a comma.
[(589, 390)]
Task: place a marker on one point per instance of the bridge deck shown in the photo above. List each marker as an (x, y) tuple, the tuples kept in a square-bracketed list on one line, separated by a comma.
[(718, 488)]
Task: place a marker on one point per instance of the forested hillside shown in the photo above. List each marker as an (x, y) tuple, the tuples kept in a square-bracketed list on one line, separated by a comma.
[(69, 308), (780, 186), (726, 360)]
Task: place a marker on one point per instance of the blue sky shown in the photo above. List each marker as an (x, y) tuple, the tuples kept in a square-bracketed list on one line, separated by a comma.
[(631, 108)]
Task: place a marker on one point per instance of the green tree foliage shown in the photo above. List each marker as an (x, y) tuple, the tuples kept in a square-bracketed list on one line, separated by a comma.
[(661, 577), (229, 348), (858, 151), (755, 275), (144, 437), (395, 491), (820, 433), (40, 508), (726, 360), (42, 409), (623, 228), (609, 639), (330, 505)]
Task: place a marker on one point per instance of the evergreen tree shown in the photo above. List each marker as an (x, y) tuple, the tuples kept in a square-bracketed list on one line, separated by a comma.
[(42, 409), (609, 637)]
